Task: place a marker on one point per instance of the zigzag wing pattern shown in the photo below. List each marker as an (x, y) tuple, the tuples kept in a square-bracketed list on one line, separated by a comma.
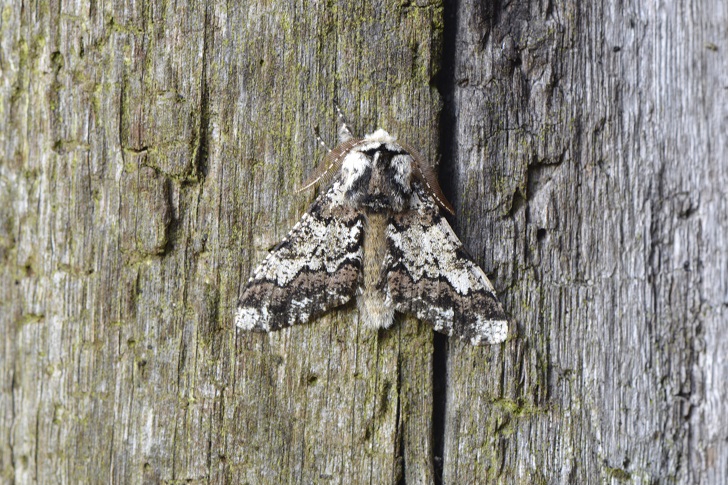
[(430, 275), (313, 270)]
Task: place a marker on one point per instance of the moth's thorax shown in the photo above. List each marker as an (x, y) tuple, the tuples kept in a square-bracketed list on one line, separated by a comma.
[(376, 175)]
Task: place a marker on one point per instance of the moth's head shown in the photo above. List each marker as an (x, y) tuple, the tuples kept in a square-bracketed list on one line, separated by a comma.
[(377, 173)]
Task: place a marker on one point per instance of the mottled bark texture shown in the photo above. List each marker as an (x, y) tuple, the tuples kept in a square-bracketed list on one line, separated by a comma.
[(149, 156)]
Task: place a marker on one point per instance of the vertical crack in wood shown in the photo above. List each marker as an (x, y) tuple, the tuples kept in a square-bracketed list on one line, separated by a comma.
[(439, 404), (201, 162), (446, 80), (400, 455)]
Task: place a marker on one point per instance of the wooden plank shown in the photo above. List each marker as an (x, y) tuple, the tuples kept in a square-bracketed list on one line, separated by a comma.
[(150, 157), (589, 155)]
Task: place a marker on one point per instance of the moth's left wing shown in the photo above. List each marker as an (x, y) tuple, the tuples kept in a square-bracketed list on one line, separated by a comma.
[(429, 275), (313, 270)]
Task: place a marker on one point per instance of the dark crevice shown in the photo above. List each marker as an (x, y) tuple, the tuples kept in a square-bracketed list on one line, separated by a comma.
[(401, 465), (446, 86), (518, 202), (439, 392), (201, 161), (487, 15), (13, 416), (448, 175), (172, 225)]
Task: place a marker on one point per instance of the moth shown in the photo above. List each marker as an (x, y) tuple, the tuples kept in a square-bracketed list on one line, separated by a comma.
[(376, 233)]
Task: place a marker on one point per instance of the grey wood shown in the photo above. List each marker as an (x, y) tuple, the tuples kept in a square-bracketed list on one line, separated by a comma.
[(590, 161), (149, 156)]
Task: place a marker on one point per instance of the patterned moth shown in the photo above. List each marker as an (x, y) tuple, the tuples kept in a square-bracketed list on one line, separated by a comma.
[(376, 233)]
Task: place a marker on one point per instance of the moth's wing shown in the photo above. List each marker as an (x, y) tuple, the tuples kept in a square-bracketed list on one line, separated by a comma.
[(430, 275), (313, 270)]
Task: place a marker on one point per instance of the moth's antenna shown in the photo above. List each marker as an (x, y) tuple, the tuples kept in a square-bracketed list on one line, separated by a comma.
[(331, 164), (317, 134), (344, 131)]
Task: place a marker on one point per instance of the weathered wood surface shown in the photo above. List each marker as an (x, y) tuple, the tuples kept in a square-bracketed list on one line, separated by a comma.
[(149, 159), (150, 156), (591, 166)]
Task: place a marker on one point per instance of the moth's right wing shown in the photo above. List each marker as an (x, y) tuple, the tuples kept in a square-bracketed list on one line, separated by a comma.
[(430, 275), (313, 270)]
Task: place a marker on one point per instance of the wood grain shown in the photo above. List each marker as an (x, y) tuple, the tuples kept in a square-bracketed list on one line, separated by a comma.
[(590, 161), (149, 158)]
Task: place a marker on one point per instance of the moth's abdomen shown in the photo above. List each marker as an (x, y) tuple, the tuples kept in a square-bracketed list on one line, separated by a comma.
[(375, 310)]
